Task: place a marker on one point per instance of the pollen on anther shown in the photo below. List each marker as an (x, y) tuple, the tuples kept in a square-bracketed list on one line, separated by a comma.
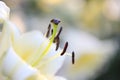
[(64, 49), (73, 57), (55, 21)]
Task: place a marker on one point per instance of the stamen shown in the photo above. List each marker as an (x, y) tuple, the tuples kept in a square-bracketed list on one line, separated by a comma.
[(57, 43), (73, 57), (59, 32), (57, 39), (65, 48), (46, 50), (55, 21), (48, 32)]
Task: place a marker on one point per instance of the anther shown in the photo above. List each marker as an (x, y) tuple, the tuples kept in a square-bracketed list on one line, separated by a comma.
[(73, 57), (64, 49), (57, 43), (55, 21), (59, 32), (48, 32)]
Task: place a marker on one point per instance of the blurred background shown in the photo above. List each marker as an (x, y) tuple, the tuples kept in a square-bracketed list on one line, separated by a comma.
[(92, 28)]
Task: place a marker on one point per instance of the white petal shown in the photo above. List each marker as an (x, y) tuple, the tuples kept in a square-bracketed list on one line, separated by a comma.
[(37, 77), (91, 54), (8, 35), (14, 67), (56, 78), (14, 31), (4, 11), (54, 65), (4, 40), (28, 43)]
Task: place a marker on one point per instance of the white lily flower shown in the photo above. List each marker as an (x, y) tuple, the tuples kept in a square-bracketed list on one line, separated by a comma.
[(30, 56)]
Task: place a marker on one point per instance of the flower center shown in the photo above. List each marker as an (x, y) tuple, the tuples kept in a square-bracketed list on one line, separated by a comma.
[(44, 50)]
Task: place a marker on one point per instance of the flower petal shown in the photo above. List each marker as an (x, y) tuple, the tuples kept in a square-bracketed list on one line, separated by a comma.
[(14, 67), (28, 43), (4, 40), (4, 12), (54, 63), (9, 33), (12, 28), (37, 77), (56, 78)]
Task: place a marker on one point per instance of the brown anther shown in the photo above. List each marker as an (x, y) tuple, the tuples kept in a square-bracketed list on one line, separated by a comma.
[(48, 32), (64, 49), (73, 57), (59, 32), (57, 43)]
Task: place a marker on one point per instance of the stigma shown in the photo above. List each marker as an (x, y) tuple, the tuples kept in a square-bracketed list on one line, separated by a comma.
[(55, 21)]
